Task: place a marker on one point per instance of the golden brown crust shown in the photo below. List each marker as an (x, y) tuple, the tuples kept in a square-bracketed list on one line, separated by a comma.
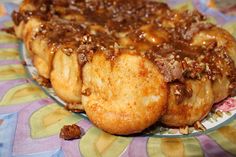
[(66, 77), (129, 93), (192, 108)]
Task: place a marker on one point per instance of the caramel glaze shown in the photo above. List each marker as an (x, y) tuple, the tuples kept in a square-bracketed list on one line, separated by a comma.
[(88, 26)]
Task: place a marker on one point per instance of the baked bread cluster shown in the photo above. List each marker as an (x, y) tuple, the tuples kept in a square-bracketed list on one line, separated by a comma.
[(129, 63)]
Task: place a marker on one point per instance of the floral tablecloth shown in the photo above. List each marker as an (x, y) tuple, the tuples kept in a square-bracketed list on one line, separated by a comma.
[(30, 121)]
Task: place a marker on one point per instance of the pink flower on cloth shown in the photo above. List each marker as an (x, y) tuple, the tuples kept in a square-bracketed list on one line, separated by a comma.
[(226, 105)]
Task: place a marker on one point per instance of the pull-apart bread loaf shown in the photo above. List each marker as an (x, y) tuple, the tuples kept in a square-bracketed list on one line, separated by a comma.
[(129, 63)]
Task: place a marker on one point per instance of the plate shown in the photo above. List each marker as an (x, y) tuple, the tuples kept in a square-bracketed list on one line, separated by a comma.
[(222, 114), (31, 116)]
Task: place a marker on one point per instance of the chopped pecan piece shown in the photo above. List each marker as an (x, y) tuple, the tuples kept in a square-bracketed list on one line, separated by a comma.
[(86, 92), (23, 63), (9, 30), (219, 113), (42, 81), (70, 132), (74, 107), (184, 130), (199, 126)]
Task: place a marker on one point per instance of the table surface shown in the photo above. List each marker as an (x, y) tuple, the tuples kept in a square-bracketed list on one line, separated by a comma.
[(30, 121)]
